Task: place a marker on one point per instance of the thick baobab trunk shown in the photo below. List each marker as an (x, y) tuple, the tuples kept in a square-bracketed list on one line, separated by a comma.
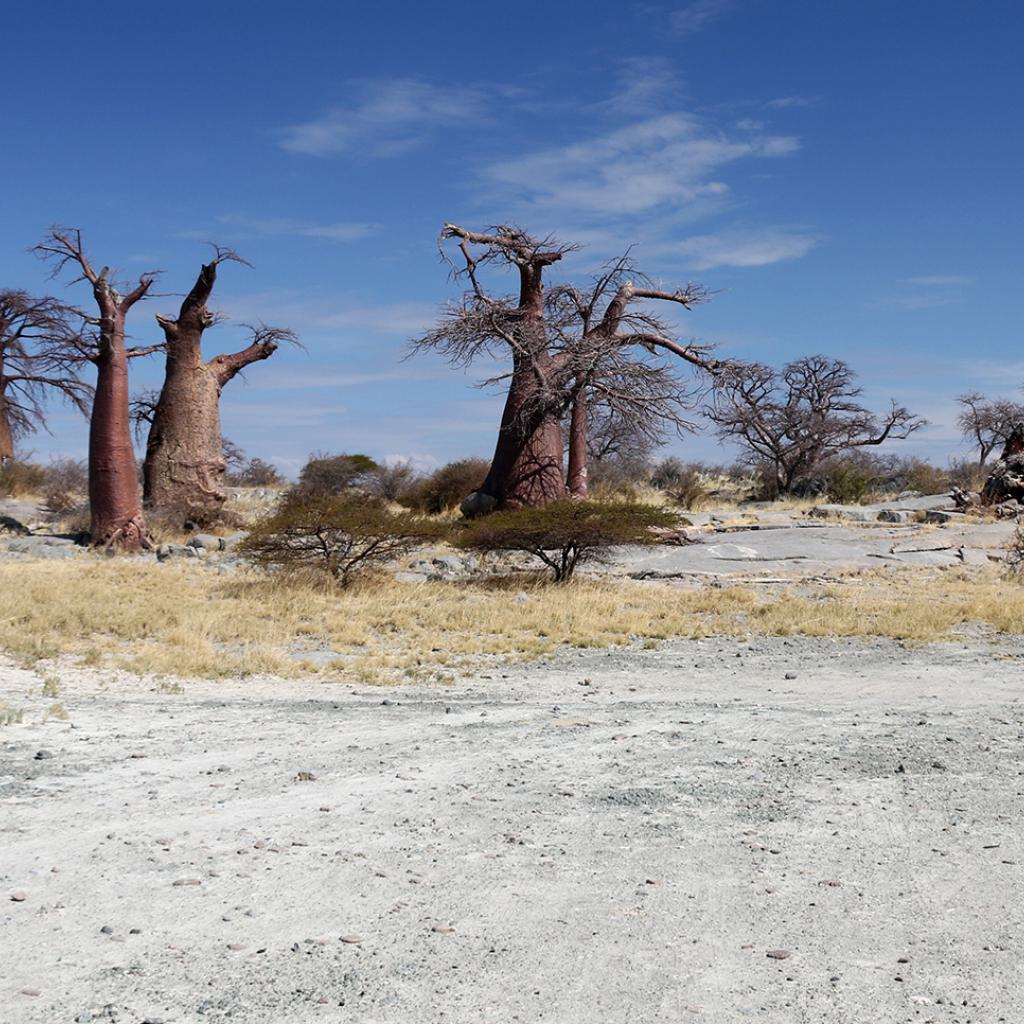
[(578, 445), (527, 468), (114, 499), (184, 469), (6, 431), (527, 464)]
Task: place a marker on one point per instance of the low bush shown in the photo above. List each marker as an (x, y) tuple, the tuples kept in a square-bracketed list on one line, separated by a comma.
[(916, 474), (967, 474), (393, 481), (445, 488), (623, 473), (21, 479), (65, 485), (337, 536), (326, 474), (852, 479), (254, 473), (688, 490), (566, 534)]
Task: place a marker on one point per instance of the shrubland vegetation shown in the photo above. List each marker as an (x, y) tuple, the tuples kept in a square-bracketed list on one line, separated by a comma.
[(566, 534)]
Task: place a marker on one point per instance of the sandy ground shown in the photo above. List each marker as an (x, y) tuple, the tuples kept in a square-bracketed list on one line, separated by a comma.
[(642, 836)]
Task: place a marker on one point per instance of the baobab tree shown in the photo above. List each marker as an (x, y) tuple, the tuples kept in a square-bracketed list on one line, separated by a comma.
[(610, 344), (796, 419), (184, 468), (563, 346), (988, 423), (114, 499), (35, 361)]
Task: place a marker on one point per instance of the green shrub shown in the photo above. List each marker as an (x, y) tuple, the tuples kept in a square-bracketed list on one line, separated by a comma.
[(21, 479), (326, 474), (852, 479), (445, 488), (566, 534), (335, 535), (916, 474)]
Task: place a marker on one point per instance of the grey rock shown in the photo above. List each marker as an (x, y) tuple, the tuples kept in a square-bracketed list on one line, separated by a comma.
[(973, 556), (411, 577), (44, 547), (166, 551), (936, 515), (477, 504), (43, 755), (205, 542), (232, 541), (896, 515), (853, 513)]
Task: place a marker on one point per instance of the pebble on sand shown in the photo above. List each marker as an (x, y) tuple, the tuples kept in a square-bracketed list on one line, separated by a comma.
[(778, 954)]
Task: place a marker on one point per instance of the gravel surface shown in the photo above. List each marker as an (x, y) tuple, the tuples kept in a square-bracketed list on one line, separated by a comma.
[(775, 831)]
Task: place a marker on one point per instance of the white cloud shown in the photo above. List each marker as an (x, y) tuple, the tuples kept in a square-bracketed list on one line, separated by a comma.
[(745, 249), (308, 312), (386, 117), (696, 16), (665, 161), (645, 85), (790, 102), (343, 231)]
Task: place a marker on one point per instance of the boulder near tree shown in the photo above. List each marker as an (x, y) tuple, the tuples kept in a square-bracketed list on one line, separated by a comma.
[(183, 473), (565, 345), (36, 360), (115, 504)]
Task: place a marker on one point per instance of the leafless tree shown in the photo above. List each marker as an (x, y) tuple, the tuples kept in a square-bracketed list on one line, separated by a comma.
[(613, 437), (114, 499), (37, 337), (183, 472), (795, 419), (565, 346), (988, 422)]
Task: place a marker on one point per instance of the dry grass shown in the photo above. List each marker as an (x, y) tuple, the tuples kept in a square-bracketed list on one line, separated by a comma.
[(183, 621)]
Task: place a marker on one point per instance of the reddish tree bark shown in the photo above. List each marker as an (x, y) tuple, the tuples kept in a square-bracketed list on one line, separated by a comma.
[(115, 504), (578, 456), (184, 467), (6, 429), (527, 467)]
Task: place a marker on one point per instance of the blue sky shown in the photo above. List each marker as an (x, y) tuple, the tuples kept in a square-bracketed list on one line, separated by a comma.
[(845, 176)]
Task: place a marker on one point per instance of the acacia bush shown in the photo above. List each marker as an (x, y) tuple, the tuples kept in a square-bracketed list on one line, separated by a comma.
[(21, 479), (338, 536), (566, 534), (445, 488), (326, 474)]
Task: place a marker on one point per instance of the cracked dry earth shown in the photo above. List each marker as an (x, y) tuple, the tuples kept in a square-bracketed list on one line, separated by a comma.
[(643, 836)]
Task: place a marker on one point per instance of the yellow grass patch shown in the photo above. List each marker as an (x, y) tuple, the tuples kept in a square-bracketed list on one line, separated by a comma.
[(182, 621)]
